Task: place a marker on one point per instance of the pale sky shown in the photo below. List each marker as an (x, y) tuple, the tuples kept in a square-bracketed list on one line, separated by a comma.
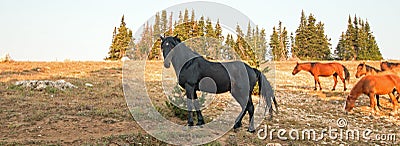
[(50, 30)]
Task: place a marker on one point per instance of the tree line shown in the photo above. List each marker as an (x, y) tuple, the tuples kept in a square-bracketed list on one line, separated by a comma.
[(308, 42)]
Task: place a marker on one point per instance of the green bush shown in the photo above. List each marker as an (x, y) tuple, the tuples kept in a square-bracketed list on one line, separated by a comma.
[(178, 105)]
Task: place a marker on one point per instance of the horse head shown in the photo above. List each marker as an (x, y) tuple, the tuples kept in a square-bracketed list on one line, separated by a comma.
[(361, 70), (385, 66), (167, 44), (350, 102), (296, 69)]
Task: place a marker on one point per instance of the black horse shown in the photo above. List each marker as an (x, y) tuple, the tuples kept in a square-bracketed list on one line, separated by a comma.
[(237, 77)]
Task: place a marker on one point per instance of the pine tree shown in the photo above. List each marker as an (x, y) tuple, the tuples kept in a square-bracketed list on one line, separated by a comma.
[(170, 29), (164, 22), (340, 50), (244, 50), (310, 40), (145, 42), (248, 36), (283, 41), (121, 42), (357, 43), (274, 44), (300, 38), (211, 51), (155, 52), (292, 45), (322, 43), (209, 29), (262, 45), (156, 26), (279, 42), (201, 26)]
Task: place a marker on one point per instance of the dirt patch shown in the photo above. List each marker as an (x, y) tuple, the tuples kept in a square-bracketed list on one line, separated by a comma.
[(99, 115)]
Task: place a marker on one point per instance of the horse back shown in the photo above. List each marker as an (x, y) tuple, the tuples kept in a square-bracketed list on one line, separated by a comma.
[(380, 84), (327, 69)]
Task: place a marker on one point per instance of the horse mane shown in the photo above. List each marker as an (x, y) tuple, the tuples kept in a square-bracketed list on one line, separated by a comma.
[(369, 68), (391, 64), (313, 64)]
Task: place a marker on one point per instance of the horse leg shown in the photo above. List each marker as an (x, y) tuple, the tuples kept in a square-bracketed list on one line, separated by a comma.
[(316, 79), (335, 80), (343, 80), (394, 102), (241, 99), (200, 120), (238, 122), (372, 102), (315, 84), (394, 92), (250, 108), (377, 101), (189, 94)]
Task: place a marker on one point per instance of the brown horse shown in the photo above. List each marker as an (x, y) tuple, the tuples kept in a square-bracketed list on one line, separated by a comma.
[(374, 85), (317, 69), (363, 69), (385, 66)]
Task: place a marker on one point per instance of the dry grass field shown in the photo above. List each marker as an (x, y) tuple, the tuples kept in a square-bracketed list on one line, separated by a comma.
[(99, 115)]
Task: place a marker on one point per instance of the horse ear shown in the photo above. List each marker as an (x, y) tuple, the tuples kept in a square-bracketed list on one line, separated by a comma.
[(176, 36), (297, 63), (161, 37)]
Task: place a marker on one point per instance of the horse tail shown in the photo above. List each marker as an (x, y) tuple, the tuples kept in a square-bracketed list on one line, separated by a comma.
[(346, 74), (266, 91)]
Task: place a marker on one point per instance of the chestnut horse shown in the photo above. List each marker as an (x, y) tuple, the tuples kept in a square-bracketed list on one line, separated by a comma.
[(363, 69), (385, 66), (372, 85), (317, 69)]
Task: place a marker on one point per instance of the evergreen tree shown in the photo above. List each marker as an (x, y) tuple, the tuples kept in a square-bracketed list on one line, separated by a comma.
[(292, 44), (283, 41), (121, 42), (244, 50), (170, 29), (357, 43), (322, 42), (164, 22), (209, 29), (145, 42), (156, 26), (279, 43), (155, 52), (262, 45), (310, 40), (201, 26), (300, 38), (274, 44)]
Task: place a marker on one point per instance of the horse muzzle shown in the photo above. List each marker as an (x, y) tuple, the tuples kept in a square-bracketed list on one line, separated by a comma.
[(167, 64)]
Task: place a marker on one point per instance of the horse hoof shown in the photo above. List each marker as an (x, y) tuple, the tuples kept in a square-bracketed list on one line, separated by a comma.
[(190, 123), (235, 130), (333, 89), (237, 125), (345, 89), (251, 131), (315, 89), (199, 123)]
